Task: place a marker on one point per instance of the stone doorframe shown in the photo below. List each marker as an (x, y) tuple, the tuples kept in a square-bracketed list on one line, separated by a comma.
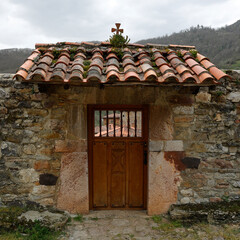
[(163, 177)]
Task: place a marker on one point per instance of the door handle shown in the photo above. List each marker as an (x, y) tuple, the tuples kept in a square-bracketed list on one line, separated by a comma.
[(145, 153)]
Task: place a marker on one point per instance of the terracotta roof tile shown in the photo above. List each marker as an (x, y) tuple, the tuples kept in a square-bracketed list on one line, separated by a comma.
[(207, 64), (76, 76), (191, 63), (165, 68), (150, 76), (160, 61), (181, 69), (201, 57), (131, 76), (199, 70), (217, 73), (205, 77), (113, 75), (188, 77), (84, 62)]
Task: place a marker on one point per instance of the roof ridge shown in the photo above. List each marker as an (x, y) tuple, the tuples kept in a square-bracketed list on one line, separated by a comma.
[(104, 44)]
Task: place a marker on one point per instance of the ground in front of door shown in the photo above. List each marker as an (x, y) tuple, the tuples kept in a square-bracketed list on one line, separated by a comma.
[(136, 225)]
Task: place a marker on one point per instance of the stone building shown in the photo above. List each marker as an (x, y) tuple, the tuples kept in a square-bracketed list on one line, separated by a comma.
[(177, 144)]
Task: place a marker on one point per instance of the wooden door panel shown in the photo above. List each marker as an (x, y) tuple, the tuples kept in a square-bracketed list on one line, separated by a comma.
[(118, 170), (117, 138), (135, 172), (100, 186)]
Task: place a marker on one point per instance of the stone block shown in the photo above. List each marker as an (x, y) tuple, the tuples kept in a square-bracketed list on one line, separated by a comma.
[(156, 146), (42, 165), (187, 192), (160, 123), (183, 110), (215, 199), (42, 192), (185, 200), (28, 175), (67, 146), (10, 149), (73, 189), (3, 93), (234, 97), (36, 112), (161, 196), (223, 163), (203, 97), (29, 149), (174, 145), (236, 184), (183, 119)]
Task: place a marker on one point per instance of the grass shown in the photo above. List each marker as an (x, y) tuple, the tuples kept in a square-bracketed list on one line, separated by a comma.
[(79, 218), (164, 224), (12, 228), (34, 232), (157, 218), (172, 229)]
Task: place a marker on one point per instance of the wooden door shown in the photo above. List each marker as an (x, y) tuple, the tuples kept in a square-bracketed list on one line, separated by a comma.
[(117, 148)]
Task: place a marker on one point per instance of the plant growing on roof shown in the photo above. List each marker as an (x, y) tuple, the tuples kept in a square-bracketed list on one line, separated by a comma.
[(118, 41), (193, 52)]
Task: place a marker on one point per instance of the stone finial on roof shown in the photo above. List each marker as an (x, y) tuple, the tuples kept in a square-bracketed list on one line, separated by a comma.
[(117, 30)]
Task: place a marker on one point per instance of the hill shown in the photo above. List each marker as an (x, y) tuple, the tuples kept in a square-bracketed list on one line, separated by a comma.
[(221, 45), (11, 59)]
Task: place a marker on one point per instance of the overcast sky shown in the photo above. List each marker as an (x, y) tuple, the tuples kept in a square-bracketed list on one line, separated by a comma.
[(26, 22)]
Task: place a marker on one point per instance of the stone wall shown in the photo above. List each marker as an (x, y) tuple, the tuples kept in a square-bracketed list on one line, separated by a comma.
[(194, 142)]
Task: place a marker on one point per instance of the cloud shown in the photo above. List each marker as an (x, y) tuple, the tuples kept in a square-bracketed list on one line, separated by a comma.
[(29, 21)]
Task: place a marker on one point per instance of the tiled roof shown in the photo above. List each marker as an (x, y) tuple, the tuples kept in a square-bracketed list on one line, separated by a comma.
[(83, 63)]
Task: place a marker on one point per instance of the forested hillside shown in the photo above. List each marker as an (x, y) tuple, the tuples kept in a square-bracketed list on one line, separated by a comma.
[(221, 45), (11, 59)]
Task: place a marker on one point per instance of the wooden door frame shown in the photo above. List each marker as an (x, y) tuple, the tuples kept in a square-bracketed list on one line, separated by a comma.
[(90, 137)]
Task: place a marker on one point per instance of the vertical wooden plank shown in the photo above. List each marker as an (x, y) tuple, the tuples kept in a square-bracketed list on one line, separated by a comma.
[(128, 124), (107, 123), (100, 123), (135, 124), (136, 170), (114, 124), (100, 174), (118, 171), (121, 123)]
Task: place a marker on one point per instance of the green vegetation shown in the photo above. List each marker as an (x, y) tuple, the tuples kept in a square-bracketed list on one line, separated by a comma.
[(12, 228), (193, 52), (79, 218), (235, 65), (165, 224), (119, 41), (34, 232), (157, 218), (56, 52)]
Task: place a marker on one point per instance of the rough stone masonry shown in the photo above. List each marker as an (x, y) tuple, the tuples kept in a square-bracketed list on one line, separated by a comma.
[(194, 142)]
